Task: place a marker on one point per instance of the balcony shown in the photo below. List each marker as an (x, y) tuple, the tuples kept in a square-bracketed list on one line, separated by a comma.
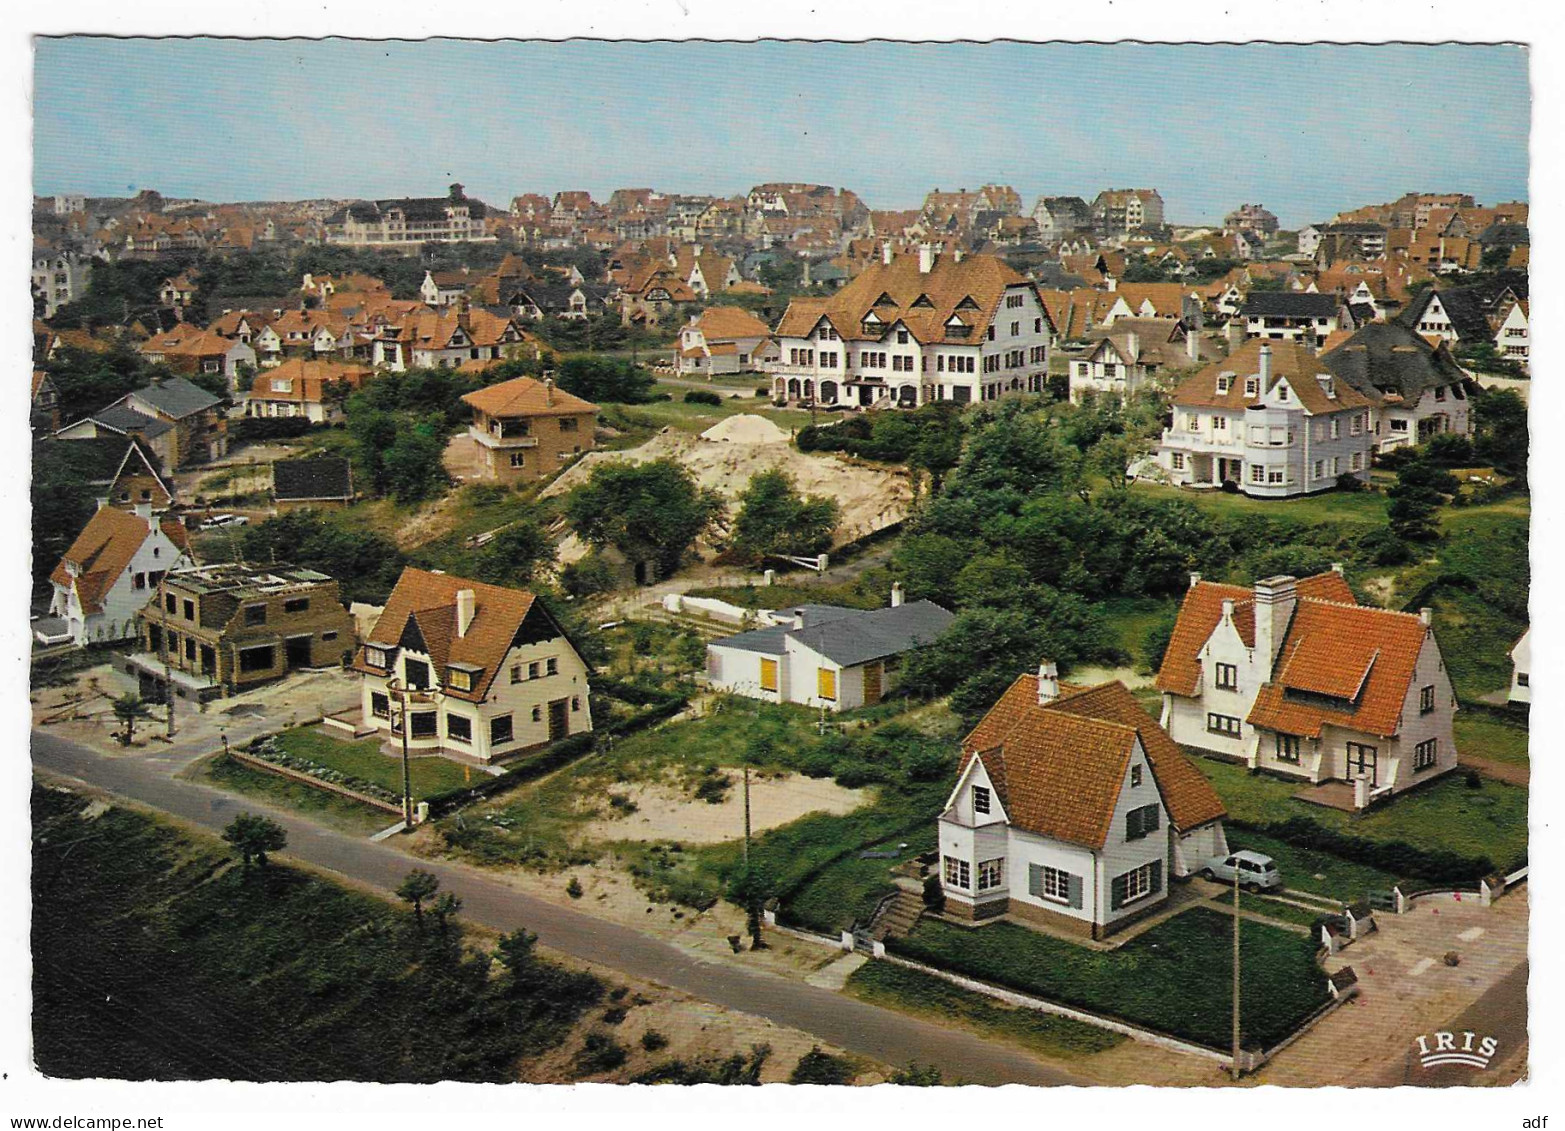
[(490, 440)]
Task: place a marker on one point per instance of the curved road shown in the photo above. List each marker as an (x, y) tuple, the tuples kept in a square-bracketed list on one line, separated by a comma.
[(882, 1034)]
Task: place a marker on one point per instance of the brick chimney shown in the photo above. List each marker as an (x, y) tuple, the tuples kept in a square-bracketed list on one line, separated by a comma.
[(548, 392), (466, 605), (1048, 682), (463, 316), (1275, 598)]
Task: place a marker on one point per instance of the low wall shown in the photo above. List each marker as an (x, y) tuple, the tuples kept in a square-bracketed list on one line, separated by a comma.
[(300, 776)]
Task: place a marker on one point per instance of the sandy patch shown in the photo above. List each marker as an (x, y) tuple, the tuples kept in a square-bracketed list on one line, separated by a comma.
[(665, 812), (745, 428), (871, 498)]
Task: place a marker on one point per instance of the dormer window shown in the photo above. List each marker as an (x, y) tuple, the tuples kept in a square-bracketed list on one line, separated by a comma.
[(1225, 381), (1282, 392), (1252, 386), (374, 656)]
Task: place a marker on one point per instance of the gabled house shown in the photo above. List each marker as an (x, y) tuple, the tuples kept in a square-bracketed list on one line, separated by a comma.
[(189, 349), (445, 338), (1271, 418), (110, 572), (1294, 677), (181, 423), (524, 429), (721, 339), (1521, 670), (311, 389), (1123, 358), (1291, 316), (824, 656), (478, 670), (1072, 810), (1418, 389)]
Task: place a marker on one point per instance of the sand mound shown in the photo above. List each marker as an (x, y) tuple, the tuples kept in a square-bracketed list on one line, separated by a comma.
[(745, 428), (663, 812)]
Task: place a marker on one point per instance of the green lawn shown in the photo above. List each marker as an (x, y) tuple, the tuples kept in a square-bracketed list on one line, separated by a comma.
[(1131, 618), (366, 761), (331, 808), (924, 995), (1366, 507), (1444, 815), (641, 420), (1176, 977), (1485, 736), (1320, 873)]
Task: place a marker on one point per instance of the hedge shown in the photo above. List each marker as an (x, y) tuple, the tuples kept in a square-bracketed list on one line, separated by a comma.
[(1394, 856), (268, 427), (701, 396)]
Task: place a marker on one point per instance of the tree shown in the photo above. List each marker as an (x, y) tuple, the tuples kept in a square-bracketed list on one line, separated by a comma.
[(514, 555), (448, 905), (774, 519), (1415, 501), (1500, 419), (128, 708), (652, 511), (413, 468), (517, 951), (253, 836), (417, 888), (750, 888), (605, 379), (368, 564), (62, 501)]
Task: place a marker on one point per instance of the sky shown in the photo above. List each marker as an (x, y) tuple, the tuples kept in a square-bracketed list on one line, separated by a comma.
[(1306, 130)]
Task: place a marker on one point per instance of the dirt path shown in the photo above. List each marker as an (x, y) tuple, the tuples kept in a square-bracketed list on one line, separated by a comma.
[(1508, 772)]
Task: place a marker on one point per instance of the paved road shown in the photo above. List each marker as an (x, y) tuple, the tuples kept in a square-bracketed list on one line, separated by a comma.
[(889, 1037), (1500, 1013)]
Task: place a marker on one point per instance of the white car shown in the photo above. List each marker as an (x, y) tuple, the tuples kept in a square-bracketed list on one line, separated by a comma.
[(1255, 871), (219, 521)]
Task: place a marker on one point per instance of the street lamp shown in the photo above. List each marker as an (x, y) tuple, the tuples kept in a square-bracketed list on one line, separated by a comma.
[(396, 687)]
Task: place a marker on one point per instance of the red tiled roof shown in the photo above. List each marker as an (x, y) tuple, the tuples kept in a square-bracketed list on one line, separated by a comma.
[(104, 549)]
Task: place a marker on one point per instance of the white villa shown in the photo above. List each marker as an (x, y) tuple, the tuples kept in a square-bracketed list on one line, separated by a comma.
[(1294, 677), (913, 329), (478, 670), (1072, 809), (110, 573), (1521, 670), (1272, 419)]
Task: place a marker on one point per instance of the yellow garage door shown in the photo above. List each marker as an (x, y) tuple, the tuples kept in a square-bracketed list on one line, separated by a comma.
[(768, 675), (827, 683)]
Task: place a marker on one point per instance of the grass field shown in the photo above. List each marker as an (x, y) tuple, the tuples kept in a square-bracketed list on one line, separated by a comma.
[(157, 957), (1484, 736), (639, 421), (1330, 506), (1321, 873), (330, 808), (923, 995), (1444, 815), (366, 761), (1176, 977), (1131, 618)]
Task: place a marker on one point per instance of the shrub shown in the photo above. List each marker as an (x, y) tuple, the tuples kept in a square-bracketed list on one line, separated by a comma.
[(1394, 856), (1474, 779), (702, 396), (934, 894), (574, 888), (714, 787), (652, 1040), (622, 803), (1347, 481), (917, 1075), (816, 1067), (600, 1052), (615, 1014)]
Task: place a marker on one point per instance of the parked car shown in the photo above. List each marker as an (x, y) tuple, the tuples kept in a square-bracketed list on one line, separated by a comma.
[(218, 521), (1255, 871)]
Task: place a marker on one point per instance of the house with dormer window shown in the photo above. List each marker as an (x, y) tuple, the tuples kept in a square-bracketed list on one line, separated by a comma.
[(1072, 810), (1295, 678), (1272, 419), (472, 669)]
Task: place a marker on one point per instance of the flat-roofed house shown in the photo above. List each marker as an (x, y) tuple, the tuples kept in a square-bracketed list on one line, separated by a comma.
[(1072, 810)]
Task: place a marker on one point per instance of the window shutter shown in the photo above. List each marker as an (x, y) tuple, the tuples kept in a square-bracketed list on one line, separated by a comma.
[(1151, 821), (1035, 880), (1073, 886), (1133, 824), (1157, 877), (1117, 893)]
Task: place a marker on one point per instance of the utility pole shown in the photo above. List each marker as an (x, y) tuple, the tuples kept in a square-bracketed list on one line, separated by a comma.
[(747, 814), (168, 676), (1236, 975), (407, 768)]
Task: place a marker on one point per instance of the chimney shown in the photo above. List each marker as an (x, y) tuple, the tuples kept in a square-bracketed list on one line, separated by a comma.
[(1048, 682), (1133, 347), (1266, 367), (926, 258), (896, 594), (885, 252), (465, 601), (1327, 385), (462, 318), (548, 392), (1336, 568), (1426, 617), (956, 256), (1193, 346), (1195, 579), (1275, 598)]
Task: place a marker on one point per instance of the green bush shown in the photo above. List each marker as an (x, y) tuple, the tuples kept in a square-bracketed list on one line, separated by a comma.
[(652, 1040), (816, 1067), (600, 1052), (1395, 856), (702, 396)]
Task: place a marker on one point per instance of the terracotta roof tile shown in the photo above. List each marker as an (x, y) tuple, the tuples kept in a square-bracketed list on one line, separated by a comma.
[(1290, 360), (104, 549), (524, 396)]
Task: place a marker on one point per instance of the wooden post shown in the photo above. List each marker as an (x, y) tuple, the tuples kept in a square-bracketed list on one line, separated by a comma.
[(747, 815)]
